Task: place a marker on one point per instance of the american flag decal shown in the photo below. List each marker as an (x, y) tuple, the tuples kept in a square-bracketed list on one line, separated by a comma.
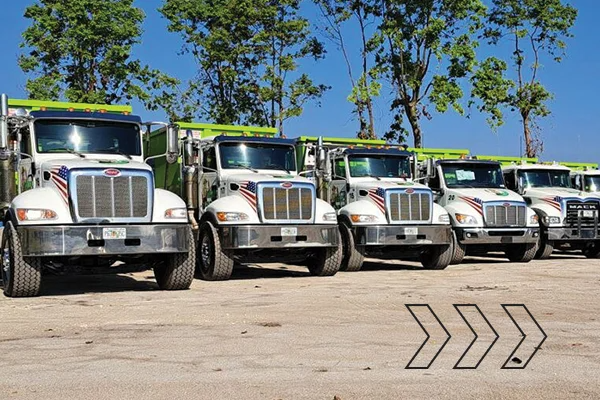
[(376, 194), (474, 202), (555, 202), (248, 190), (59, 176)]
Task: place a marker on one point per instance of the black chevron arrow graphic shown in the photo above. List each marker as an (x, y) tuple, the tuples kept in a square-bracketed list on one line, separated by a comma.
[(505, 307), (475, 306), (409, 307)]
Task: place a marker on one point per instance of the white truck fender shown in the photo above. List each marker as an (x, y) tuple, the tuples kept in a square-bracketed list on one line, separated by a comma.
[(458, 207), (164, 200), (46, 198), (322, 208), (233, 204), (363, 207), (439, 211)]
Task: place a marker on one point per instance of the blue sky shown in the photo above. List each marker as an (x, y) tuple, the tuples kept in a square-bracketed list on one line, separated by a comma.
[(570, 133)]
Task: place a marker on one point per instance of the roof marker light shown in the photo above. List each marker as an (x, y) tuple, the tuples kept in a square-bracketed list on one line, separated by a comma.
[(70, 109)]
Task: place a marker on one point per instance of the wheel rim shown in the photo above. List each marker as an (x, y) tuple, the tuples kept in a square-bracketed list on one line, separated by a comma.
[(206, 252)]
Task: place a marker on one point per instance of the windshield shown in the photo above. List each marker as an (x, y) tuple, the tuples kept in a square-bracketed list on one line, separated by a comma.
[(382, 166), (592, 183), (545, 178), (257, 156), (473, 175), (91, 136)]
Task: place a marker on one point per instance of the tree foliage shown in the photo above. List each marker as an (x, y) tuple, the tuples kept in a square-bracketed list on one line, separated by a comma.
[(247, 53), (81, 50), (425, 49), (530, 29)]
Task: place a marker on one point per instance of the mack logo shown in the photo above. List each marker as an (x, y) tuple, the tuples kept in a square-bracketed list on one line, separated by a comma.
[(409, 191), (286, 185), (583, 206), (112, 172)]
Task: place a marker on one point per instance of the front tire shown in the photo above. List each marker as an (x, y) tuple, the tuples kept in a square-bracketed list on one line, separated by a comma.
[(177, 271), (459, 250), (437, 257), (353, 256), (327, 261), (545, 248), (214, 263), (592, 251), (522, 253), (21, 276)]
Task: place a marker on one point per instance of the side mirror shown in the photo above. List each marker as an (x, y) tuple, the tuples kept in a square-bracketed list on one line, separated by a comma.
[(172, 144), (520, 185)]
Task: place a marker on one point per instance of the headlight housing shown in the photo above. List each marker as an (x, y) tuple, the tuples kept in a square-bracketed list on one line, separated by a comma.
[(232, 216), (35, 214), (357, 218), (330, 217), (551, 220), (465, 219), (534, 219), (444, 218), (176, 213)]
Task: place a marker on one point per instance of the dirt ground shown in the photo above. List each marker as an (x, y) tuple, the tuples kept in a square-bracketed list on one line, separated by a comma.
[(273, 332)]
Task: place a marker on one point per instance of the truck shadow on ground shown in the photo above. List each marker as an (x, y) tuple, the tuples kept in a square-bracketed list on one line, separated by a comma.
[(254, 271), (53, 285)]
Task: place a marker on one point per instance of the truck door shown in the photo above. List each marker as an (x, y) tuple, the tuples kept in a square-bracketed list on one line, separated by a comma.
[(208, 185), (26, 176), (338, 191)]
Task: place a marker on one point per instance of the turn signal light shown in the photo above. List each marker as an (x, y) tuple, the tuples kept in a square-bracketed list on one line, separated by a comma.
[(31, 214)]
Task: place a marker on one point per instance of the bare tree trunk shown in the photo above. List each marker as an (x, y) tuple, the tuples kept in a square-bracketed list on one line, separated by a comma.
[(530, 151), (371, 128), (410, 108)]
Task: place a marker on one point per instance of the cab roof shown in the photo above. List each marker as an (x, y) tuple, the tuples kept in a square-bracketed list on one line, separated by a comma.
[(371, 151), (467, 161), (252, 139), (524, 167), (85, 115)]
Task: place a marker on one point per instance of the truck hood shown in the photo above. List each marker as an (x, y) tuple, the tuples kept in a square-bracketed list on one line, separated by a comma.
[(95, 164), (487, 194), (385, 185), (558, 192), (262, 177)]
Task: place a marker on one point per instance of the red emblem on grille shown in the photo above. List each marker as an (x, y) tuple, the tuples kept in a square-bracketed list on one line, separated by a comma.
[(286, 185), (506, 204), (410, 191), (112, 172)]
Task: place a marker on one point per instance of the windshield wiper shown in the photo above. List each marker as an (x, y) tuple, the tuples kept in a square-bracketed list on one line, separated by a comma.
[(245, 167), (70, 151), (372, 176), (113, 151)]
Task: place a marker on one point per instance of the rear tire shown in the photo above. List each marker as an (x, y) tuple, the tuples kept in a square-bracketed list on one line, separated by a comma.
[(177, 271), (21, 276), (353, 256), (522, 253), (545, 248), (214, 263), (437, 257), (459, 250), (592, 251), (327, 262)]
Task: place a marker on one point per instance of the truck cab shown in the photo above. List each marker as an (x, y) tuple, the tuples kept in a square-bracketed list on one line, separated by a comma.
[(485, 214), (77, 192), (569, 217), (382, 211), (249, 203), (586, 180)]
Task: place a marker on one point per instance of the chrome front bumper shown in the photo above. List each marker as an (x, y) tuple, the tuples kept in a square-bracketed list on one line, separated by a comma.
[(393, 235), (278, 236), (573, 234), (497, 235), (77, 240)]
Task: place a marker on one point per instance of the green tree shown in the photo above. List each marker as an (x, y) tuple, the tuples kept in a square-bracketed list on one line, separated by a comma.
[(365, 87), (534, 29), (425, 48), (81, 50)]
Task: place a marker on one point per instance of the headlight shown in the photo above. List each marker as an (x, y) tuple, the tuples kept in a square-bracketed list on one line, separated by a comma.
[(35, 214), (465, 219), (330, 217), (231, 216), (444, 218), (176, 213), (363, 218), (534, 219), (551, 220)]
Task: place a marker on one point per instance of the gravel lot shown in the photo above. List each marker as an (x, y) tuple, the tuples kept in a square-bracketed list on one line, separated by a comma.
[(273, 332)]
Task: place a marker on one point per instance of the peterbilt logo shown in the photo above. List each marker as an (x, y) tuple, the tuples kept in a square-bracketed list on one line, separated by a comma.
[(287, 185), (112, 172), (409, 191), (583, 206), (506, 204)]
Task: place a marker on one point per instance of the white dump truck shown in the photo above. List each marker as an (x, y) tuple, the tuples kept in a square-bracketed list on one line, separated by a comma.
[(485, 214), (569, 217), (382, 211), (247, 200), (75, 192)]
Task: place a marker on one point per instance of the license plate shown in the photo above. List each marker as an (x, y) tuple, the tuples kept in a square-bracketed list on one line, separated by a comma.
[(289, 231), (114, 233), (411, 231), (587, 213)]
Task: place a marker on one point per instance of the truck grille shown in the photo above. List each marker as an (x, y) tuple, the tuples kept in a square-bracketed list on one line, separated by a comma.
[(410, 207), (293, 204), (121, 197), (506, 215), (581, 213)]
